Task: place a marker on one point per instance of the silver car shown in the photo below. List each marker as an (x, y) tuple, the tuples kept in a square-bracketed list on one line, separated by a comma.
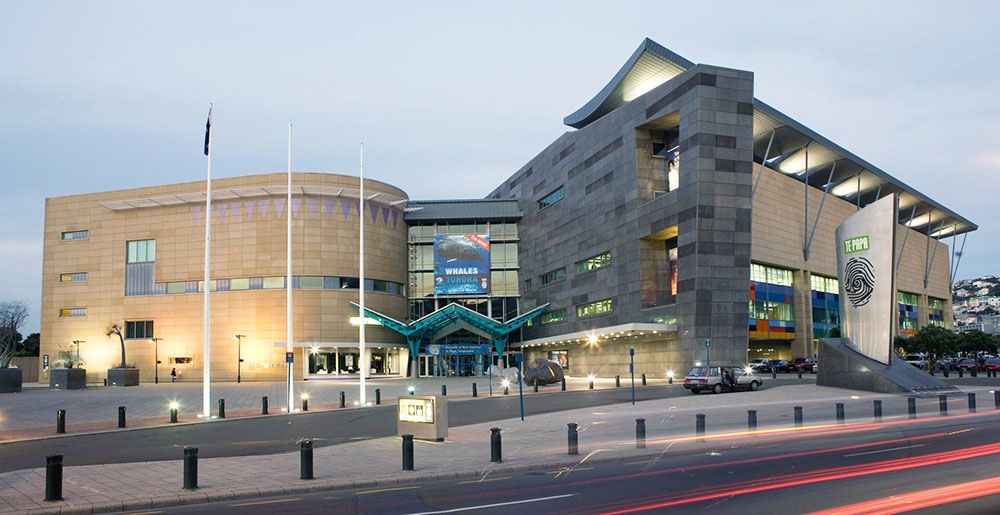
[(721, 379)]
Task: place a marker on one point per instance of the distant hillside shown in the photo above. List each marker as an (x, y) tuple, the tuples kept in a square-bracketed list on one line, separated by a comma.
[(974, 297)]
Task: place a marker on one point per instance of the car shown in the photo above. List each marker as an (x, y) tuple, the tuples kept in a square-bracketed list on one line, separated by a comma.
[(702, 378), (917, 360), (992, 364), (803, 364), (760, 364), (779, 365), (967, 364)]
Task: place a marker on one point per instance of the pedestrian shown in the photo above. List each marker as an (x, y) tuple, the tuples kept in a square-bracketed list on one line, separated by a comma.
[(173, 375)]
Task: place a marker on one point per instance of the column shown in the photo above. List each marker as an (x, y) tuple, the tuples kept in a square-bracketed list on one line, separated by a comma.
[(802, 346)]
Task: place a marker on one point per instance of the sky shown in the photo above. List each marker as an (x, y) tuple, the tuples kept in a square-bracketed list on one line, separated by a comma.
[(452, 97)]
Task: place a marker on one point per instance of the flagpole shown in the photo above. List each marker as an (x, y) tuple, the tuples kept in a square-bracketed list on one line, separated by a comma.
[(362, 366), (206, 380), (288, 279)]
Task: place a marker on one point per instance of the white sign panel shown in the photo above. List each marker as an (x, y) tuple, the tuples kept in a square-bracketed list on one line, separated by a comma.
[(420, 411), (866, 264)]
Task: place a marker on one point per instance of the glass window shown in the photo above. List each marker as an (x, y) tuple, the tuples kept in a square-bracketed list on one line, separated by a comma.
[(553, 276), (510, 230), (138, 329), (552, 198), (73, 312), (825, 284), (552, 317), (76, 235), (311, 282), (331, 283), (907, 298), (142, 251), (935, 303), (600, 307), (177, 287), (349, 282), (214, 285), (771, 275), (272, 283), (239, 284), (73, 278), (594, 263)]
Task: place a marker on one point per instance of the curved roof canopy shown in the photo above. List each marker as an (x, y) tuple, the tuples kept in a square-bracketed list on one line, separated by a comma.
[(830, 166)]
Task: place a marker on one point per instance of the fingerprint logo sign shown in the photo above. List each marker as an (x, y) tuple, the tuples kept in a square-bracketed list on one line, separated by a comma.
[(859, 281)]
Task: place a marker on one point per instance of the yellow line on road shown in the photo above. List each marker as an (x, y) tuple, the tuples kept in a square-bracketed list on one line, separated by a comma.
[(257, 503), (387, 490), (482, 480)]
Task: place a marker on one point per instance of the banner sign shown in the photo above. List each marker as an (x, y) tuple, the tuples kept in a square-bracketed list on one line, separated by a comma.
[(461, 264), (866, 265), (444, 349)]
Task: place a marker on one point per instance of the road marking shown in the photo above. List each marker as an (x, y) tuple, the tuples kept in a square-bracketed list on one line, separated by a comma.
[(482, 480), (885, 450), (366, 492), (484, 506), (257, 503), (143, 513)]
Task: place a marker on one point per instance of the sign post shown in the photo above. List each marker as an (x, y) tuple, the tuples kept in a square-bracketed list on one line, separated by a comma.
[(631, 370), (520, 387), (708, 354)]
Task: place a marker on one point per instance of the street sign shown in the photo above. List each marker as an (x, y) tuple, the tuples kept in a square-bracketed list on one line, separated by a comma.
[(631, 352), (708, 343), (289, 357)]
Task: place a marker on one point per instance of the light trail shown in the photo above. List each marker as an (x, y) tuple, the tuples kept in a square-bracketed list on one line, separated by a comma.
[(920, 499), (818, 476)]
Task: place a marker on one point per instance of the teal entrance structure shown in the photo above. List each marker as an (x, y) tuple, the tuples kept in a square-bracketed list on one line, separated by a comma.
[(449, 319)]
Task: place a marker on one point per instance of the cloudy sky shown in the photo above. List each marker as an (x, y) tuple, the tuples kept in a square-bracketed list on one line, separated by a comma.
[(451, 98)]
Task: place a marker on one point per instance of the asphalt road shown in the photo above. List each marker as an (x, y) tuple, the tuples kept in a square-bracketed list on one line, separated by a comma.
[(280, 433), (917, 466)]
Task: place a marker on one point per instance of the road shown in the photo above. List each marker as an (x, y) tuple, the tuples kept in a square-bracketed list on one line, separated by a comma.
[(897, 467)]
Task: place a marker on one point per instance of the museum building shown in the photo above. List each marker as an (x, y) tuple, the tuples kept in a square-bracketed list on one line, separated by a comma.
[(680, 217)]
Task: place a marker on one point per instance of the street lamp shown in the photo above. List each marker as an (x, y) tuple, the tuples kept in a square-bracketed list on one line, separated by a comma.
[(156, 358), (77, 343), (239, 356)]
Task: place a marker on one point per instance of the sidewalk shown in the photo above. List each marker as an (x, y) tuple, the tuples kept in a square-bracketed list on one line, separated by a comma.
[(606, 433)]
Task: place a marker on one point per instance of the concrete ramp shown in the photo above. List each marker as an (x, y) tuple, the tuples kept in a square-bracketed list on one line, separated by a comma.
[(842, 366)]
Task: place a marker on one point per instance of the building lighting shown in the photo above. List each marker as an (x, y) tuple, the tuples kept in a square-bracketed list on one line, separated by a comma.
[(305, 396), (411, 389), (174, 405), (670, 374), (505, 383)]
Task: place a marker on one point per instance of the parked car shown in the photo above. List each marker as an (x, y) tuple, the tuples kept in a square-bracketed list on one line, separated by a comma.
[(917, 360), (803, 364), (703, 378), (992, 364), (760, 365), (967, 364), (778, 365)]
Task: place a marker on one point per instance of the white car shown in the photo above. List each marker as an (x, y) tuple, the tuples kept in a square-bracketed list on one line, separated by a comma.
[(712, 378)]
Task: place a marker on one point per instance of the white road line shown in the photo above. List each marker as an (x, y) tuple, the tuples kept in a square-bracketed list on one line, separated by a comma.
[(484, 506), (885, 450)]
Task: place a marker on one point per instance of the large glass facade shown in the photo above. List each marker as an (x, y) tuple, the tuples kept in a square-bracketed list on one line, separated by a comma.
[(909, 322), (771, 299), (935, 311), (825, 306)]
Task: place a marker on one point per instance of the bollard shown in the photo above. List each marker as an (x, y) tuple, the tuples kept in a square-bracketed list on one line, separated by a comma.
[(495, 453), (996, 399), (475, 391), (263, 405), (774, 373), (752, 420), (911, 406), (407, 452), (640, 433), (444, 389), (121, 416), (173, 415), (974, 372), (972, 402), (305, 403), (800, 373), (306, 459), (222, 408), (536, 385), (506, 389), (190, 468), (644, 379), (798, 416), (878, 410), (53, 477), (699, 426), (943, 405), (591, 384), (343, 400), (840, 412), (618, 381), (930, 370), (944, 370), (961, 373), (378, 394), (60, 421), (572, 440), (563, 382)]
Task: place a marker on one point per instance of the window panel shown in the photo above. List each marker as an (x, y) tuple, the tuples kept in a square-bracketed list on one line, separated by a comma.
[(552, 198), (600, 307), (73, 312), (73, 277), (76, 235), (272, 283), (239, 284), (594, 263)]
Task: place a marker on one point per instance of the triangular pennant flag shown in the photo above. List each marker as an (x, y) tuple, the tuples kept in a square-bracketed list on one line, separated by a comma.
[(249, 206), (374, 210), (234, 209), (296, 204), (345, 207), (279, 206), (195, 212), (395, 217), (313, 204), (328, 205), (264, 204), (220, 210), (385, 216)]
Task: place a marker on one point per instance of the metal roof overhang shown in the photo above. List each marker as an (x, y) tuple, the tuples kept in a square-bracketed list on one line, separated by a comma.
[(630, 329), (198, 197), (854, 179)]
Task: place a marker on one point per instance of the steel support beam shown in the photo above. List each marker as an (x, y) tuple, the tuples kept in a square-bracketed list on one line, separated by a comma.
[(805, 211), (906, 236), (929, 264), (957, 259), (812, 232), (756, 182)]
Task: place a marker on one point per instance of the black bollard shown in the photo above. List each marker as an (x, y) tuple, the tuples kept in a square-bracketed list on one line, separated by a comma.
[(774, 373), (563, 382), (930, 370), (222, 408), (305, 403), (53, 477), (943, 405), (974, 372), (506, 389), (60, 421), (944, 370), (911, 406), (961, 373), (173, 415), (996, 399), (343, 400), (475, 391), (407, 452), (190, 468), (972, 402), (798, 416), (444, 389), (536, 385), (840, 412), (618, 381), (800, 373), (591, 383), (699, 425), (644, 379), (752, 420), (640, 433), (378, 394), (878, 410), (263, 405), (121, 416), (572, 440), (496, 455), (306, 459)]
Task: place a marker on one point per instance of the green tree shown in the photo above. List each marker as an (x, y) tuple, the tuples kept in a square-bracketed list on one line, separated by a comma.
[(30, 346), (933, 341), (974, 342)]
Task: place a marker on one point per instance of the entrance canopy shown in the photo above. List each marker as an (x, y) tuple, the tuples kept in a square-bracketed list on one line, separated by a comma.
[(451, 318)]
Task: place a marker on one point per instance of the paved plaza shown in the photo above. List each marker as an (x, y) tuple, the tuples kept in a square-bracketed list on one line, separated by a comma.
[(606, 432)]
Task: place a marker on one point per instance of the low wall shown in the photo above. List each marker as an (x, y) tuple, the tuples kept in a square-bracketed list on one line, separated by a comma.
[(29, 367)]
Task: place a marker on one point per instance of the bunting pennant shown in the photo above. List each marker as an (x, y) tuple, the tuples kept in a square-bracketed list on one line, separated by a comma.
[(196, 212), (235, 208), (263, 207), (279, 206), (250, 205), (296, 205), (395, 217), (385, 216), (374, 211), (328, 205), (313, 204), (220, 210)]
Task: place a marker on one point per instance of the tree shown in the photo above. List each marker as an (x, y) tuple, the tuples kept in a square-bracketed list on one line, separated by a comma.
[(974, 342), (115, 328), (31, 345), (932, 340), (13, 314)]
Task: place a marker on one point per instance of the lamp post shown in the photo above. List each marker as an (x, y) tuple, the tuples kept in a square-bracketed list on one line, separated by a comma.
[(156, 360), (77, 343), (708, 354), (239, 356)]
